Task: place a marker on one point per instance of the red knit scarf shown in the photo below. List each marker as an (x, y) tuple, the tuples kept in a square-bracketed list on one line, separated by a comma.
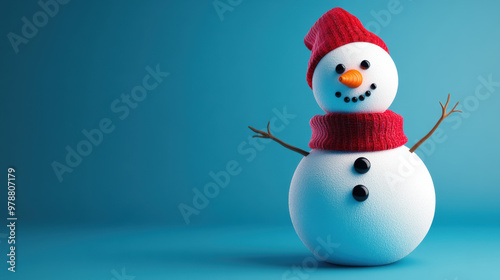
[(357, 132)]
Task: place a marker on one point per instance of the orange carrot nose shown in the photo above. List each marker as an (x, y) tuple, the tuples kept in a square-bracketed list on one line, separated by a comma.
[(351, 78)]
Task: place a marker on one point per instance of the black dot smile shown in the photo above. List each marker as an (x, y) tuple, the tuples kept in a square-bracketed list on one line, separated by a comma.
[(355, 99)]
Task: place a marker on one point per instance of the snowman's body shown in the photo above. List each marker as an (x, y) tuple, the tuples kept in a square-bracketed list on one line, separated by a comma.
[(397, 212), (384, 228)]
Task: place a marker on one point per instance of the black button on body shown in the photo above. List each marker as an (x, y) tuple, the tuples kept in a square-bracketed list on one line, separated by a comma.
[(362, 165), (360, 193)]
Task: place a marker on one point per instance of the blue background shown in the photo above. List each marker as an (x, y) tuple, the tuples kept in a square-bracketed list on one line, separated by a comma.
[(226, 72)]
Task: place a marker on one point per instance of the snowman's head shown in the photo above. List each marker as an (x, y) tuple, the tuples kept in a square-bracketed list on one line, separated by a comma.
[(350, 69), (358, 77)]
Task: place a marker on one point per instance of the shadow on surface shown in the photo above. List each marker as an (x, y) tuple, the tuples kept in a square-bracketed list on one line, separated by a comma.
[(303, 260)]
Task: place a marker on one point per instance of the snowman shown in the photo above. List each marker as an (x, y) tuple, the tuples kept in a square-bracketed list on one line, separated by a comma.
[(360, 187)]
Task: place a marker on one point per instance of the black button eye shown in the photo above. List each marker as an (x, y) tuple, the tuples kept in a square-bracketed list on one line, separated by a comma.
[(340, 68), (365, 64), (362, 165), (360, 193)]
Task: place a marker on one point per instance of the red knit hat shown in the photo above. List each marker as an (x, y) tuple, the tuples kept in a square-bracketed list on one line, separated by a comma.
[(332, 30)]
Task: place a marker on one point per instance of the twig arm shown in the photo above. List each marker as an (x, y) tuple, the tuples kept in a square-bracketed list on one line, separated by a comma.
[(268, 135), (444, 115)]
